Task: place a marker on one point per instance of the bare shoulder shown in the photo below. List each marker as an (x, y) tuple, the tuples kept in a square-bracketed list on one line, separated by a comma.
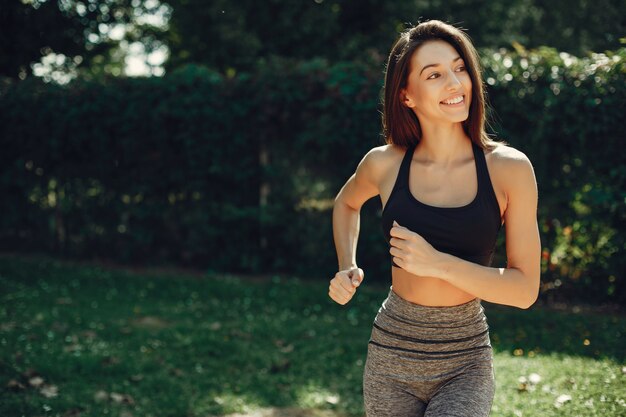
[(507, 155), (385, 152), (506, 159), (379, 160), (511, 167)]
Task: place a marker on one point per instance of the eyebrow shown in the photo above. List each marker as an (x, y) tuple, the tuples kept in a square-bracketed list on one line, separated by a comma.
[(436, 65)]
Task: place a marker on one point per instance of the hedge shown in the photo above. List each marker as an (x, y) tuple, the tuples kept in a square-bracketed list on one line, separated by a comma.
[(239, 173)]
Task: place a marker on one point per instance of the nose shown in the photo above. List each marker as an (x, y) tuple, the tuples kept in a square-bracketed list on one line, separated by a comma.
[(453, 81)]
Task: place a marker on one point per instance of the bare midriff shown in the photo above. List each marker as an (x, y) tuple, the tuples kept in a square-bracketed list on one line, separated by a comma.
[(427, 291)]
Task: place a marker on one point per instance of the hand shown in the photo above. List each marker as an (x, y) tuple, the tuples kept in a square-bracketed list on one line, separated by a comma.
[(343, 286), (412, 252)]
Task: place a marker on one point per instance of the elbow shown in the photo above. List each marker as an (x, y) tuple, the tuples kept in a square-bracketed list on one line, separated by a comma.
[(340, 202), (528, 303), (531, 298)]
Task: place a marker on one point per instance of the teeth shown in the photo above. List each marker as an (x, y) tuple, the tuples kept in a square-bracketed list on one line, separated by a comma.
[(454, 101)]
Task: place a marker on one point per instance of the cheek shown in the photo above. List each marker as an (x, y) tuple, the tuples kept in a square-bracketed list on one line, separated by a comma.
[(467, 84)]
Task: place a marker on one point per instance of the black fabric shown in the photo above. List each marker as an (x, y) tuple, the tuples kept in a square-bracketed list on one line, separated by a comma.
[(468, 232)]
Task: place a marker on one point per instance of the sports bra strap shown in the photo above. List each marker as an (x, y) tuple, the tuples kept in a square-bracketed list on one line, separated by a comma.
[(481, 165), (403, 175)]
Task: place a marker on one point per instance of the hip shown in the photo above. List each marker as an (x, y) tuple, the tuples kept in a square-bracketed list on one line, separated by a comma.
[(432, 341)]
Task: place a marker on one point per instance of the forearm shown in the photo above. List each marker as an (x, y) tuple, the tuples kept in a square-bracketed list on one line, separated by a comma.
[(346, 224), (508, 286)]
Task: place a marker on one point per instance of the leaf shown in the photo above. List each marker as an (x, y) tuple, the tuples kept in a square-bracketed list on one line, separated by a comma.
[(15, 385), (36, 381), (332, 399), (101, 396), (49, 391), (122, 398), (562, 399)]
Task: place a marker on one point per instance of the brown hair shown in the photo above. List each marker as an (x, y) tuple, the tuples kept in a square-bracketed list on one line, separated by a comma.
[(400, 125)]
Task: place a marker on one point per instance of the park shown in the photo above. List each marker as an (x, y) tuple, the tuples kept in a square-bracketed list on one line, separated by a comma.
[(169, 177)]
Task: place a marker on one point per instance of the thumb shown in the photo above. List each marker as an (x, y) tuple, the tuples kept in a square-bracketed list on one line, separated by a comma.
[(357, 276)]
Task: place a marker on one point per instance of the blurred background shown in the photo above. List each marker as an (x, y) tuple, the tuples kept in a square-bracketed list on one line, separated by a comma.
[(213, 136)]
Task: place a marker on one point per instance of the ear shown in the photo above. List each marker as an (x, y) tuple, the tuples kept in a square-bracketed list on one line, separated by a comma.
[(406, 100)]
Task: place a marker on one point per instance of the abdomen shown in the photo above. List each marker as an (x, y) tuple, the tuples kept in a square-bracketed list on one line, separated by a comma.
[(427, 291)]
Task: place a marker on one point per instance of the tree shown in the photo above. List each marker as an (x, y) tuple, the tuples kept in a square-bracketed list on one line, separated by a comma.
[(85, 36), (236, 36)]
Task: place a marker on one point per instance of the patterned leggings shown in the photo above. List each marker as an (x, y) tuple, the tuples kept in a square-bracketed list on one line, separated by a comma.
[(429, 361)]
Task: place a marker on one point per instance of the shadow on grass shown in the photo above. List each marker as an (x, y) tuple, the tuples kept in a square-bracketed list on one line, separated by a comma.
[(212, 345), (543, 330)]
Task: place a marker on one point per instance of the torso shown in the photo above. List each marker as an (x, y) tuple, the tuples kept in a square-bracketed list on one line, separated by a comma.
[(454, 187)]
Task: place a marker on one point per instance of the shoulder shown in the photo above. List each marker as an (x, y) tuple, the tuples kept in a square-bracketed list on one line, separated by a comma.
[(380, 159), (512, 168), (505, 154)]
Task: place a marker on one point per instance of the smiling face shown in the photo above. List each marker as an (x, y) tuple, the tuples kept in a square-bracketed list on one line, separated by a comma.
[(439, 86)]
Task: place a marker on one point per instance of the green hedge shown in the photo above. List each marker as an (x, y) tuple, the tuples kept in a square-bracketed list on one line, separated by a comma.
[(565, 113), (239, 174)]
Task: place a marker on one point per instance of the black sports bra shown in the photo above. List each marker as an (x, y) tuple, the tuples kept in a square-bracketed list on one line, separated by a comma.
[(468, 232)]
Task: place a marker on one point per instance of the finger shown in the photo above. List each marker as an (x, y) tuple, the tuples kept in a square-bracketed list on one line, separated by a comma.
[(341, 280), (398, 243), (337, 297), (346, 283), (401, 232), (345, 292), (397, 252)]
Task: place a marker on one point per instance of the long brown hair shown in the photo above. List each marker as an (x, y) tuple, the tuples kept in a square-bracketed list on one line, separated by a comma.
[(400, 125)]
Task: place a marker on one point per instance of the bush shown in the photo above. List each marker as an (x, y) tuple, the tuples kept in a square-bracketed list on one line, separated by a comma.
[(239, 173)]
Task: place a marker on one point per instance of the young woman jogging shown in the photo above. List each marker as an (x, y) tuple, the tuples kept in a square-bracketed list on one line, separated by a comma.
[(446, 190)]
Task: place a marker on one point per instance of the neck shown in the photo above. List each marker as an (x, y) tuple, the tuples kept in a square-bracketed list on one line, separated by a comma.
[(443, 143)]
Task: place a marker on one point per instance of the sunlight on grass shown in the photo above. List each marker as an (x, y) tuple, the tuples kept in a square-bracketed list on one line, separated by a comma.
[(558, 385), (314, 396), (79, 339), (224, 402)]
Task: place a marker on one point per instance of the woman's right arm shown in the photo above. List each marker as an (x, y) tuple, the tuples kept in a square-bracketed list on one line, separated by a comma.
[(359, 188)]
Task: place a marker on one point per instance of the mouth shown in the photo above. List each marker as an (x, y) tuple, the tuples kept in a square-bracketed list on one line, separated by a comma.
[(455, 101)]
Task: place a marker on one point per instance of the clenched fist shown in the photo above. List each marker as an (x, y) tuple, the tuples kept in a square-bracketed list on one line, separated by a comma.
[(343, 285)]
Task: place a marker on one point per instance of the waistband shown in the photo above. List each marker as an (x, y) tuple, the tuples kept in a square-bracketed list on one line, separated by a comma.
[(460, 315)]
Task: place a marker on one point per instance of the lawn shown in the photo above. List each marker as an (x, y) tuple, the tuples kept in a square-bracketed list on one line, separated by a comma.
[(86, 340)]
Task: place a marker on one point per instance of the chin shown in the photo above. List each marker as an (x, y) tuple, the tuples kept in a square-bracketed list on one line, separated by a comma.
[(459, 119)]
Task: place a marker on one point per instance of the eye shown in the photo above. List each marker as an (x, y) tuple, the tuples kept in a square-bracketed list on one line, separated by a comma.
[(430, 77)]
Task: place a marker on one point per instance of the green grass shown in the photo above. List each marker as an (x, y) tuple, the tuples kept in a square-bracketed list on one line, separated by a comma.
[(117, 343)]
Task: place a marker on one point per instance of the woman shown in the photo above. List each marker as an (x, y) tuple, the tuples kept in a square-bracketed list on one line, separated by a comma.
[(446, 190)]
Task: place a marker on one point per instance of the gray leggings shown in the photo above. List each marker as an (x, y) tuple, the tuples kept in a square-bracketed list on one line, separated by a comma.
[(429, 361)]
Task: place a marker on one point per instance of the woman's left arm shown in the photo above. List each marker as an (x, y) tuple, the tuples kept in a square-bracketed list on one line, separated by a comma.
[(517, 284)]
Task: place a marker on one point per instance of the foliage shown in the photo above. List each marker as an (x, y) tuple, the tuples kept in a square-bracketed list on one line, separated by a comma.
[(239, 173), (565, 117), (238, 36), (88, 340), (81, 37), (92, 38)]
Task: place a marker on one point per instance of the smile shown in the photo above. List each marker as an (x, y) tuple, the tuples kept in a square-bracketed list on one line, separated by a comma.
[(454, 101)]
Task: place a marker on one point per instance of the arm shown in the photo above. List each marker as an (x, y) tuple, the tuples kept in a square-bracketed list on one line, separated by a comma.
[(517, 284), (359, 188)]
